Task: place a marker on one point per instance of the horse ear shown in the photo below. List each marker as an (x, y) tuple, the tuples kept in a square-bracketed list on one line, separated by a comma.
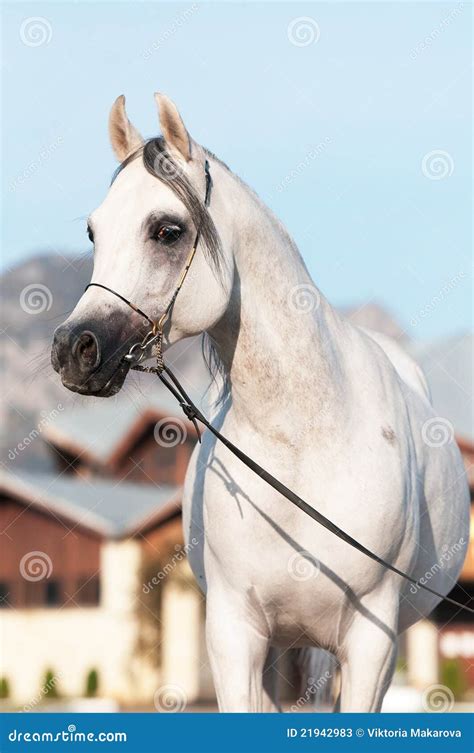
[(124, 137), (172, 127)]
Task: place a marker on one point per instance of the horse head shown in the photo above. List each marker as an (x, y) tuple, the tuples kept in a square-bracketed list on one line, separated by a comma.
[(142, 233)]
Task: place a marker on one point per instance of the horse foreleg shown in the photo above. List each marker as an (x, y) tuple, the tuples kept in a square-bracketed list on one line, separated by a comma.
[(367, 665), (237, 652), (270, 681)]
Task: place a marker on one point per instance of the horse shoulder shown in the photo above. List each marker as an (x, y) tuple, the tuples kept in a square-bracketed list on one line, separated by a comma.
[(406, 367)]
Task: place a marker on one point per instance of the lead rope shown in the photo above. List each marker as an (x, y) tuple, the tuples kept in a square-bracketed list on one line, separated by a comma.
[(192, 412), (154, 338)]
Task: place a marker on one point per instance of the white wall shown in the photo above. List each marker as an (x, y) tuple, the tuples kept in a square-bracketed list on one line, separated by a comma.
[(181, 651), (73, 640), (422, 654)]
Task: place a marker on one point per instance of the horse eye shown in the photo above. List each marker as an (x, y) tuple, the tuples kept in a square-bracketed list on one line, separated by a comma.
[(167, 234), (90, 234)]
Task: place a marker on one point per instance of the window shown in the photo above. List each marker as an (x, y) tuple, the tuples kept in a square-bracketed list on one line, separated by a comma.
[(44, 593), (53, 593), (5, 595)]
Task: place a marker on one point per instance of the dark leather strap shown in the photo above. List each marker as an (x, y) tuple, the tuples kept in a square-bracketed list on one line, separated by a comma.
[(125, 300), (158, 325), (193, 413)]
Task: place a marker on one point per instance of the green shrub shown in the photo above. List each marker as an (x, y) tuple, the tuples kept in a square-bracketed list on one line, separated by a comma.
[(92, 683), (50, 687), (4, 688), (453, 676)]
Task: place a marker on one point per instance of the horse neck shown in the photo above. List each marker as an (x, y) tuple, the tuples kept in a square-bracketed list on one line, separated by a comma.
[(279, 337)]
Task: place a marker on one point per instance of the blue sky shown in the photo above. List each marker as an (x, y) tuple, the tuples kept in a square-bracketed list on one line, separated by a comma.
[(332, 131)]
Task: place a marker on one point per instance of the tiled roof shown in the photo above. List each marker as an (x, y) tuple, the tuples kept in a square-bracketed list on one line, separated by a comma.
[(97, 431), (109, 507)]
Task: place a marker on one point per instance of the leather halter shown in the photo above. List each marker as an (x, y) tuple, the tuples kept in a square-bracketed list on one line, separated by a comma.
[(155, 336), (138, 352)]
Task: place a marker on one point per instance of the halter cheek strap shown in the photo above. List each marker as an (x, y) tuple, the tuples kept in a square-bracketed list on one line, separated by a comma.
[(156, 334)]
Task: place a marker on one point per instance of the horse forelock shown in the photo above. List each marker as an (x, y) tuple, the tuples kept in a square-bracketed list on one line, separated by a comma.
[(160, 163)]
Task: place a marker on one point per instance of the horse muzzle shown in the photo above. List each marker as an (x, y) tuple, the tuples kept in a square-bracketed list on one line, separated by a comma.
[(87, 362)]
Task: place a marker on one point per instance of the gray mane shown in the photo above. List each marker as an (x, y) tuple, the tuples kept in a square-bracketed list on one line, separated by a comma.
[(159, 163)]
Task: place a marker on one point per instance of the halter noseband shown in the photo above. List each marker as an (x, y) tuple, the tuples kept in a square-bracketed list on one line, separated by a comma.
[(155, 337)]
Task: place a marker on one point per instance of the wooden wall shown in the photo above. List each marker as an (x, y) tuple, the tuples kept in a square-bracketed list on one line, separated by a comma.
[(66, 570), (146, 461), (163, 540)]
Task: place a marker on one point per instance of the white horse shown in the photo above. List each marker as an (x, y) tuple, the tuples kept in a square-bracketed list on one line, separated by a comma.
[(338, 414)]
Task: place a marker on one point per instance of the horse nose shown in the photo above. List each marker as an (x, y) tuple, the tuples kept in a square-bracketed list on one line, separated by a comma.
[(72, 349)]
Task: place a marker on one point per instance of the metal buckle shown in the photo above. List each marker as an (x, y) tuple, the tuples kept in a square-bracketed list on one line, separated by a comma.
[(150, 338)]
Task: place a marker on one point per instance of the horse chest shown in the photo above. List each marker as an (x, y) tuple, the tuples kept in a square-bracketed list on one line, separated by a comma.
[(250, 537)]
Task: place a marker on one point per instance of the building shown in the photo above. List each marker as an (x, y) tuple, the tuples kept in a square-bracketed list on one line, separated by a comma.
[(94, 575), (142, 440), (77, 544)]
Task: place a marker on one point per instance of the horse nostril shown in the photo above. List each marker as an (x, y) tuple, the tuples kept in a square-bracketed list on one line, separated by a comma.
[(86, 349)]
